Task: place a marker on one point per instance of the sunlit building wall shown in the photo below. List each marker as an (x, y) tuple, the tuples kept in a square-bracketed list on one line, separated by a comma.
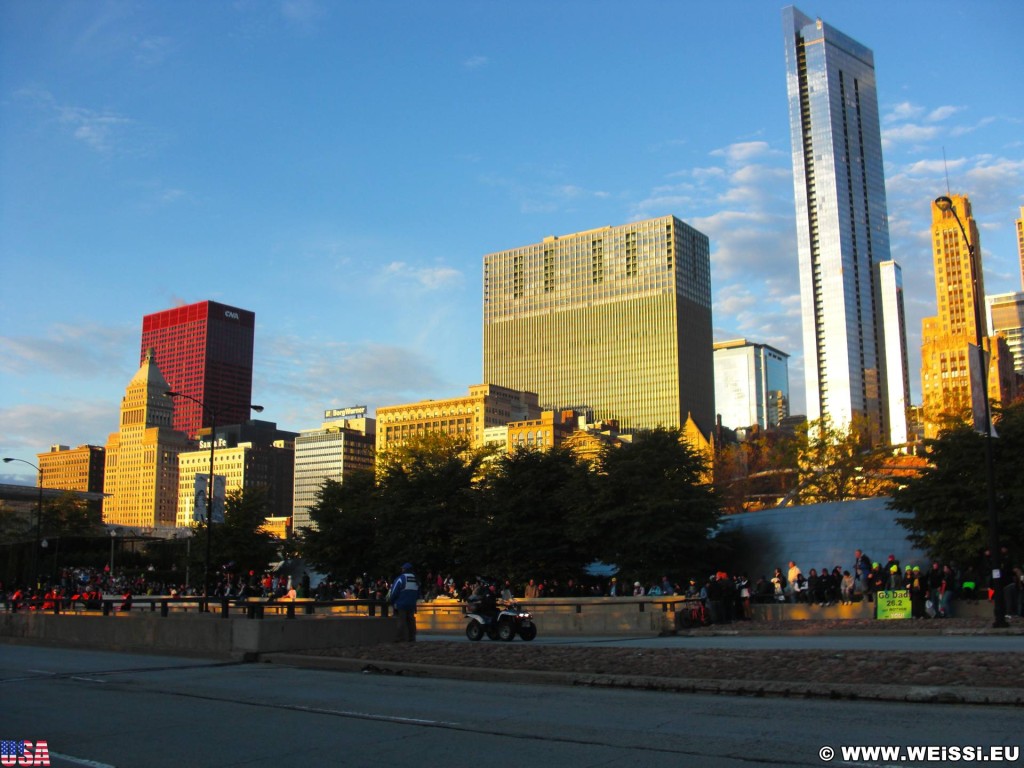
[(468, 417), (141, 475), (205, 351), (751, 384), (73, 469), (947, 338), (1006, 319), (841, 218), (332, 451), (894, 349), (616, 319)]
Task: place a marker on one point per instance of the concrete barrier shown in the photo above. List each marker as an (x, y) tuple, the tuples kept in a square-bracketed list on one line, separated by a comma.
[(193, 634)]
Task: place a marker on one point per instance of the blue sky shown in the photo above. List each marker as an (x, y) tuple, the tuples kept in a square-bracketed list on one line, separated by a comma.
[(341, 168)]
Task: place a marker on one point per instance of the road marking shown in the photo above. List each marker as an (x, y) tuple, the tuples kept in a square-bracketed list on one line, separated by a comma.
[(88, 679), (40, 671)]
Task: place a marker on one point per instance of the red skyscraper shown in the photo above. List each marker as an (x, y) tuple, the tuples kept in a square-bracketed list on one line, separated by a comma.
[(204, 350)]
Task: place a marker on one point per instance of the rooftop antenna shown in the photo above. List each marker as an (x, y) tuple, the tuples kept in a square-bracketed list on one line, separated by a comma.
[(946, 168)]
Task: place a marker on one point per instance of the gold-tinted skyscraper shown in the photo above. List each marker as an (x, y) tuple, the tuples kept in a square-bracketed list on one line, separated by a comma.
[(946, 337), (142, 456), (617, 319)]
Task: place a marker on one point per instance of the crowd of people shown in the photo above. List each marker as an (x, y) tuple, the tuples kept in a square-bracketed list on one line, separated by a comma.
[(721, 597)]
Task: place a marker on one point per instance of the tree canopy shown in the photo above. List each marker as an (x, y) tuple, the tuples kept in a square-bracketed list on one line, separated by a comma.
[(643, 506), (946, 507)]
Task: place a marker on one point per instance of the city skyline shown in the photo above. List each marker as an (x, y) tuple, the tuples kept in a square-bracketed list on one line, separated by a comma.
[(343, 177)]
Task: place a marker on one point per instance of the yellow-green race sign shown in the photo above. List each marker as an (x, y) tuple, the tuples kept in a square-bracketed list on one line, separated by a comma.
[(892, 605)]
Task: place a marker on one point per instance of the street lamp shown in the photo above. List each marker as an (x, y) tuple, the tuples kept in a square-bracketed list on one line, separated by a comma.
[(113, 538), (39, 517), (209, 488), (945, 205)]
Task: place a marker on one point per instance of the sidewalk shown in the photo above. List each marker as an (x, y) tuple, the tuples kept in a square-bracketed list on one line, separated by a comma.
[(940, 677)]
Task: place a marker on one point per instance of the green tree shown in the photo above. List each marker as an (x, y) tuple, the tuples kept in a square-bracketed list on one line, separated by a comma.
[(834, 464), (527, 503), (426, 501), (946, 506), (238, 544), (343, 541), (68, 515), (653, 510)]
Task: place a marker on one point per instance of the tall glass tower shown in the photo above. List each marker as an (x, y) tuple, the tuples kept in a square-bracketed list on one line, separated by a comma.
[(841, 220), (616, 319)]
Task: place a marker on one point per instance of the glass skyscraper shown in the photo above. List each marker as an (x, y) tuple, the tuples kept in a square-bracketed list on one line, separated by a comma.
[(842, 226), (616, 319), (751, 384)]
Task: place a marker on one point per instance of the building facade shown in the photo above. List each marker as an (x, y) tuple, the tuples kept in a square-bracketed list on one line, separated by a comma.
[(751, 384), (73, 469), (948, 338), (616, 319), (141, 474), (1020, 244), (841, 220), (247, 458), (894, 349), (205, 351), (486, 405), (331, 452), (1006, 319)]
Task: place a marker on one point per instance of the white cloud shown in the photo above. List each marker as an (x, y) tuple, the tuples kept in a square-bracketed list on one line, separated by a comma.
[(475, 62), (429, 278), (76, 350), (942, 113)]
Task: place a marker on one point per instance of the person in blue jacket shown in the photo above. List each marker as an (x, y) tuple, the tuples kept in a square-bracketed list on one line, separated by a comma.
[(405, 591)]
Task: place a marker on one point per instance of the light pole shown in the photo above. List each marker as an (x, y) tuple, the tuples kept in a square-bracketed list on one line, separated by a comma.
[(113, 538), (945, 205), (39, 517), (209, 487)]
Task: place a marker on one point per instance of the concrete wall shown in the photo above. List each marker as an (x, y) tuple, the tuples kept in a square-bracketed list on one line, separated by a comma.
[(821, 535), (199, 635)]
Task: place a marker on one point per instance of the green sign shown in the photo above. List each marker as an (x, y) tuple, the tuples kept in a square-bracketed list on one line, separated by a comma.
[(892, 605)]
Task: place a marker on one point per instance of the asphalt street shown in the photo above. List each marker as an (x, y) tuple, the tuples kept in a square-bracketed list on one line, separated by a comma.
[(137, 711), (780, 641)]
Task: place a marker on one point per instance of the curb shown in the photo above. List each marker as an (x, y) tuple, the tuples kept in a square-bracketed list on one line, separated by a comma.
[(847, 691)]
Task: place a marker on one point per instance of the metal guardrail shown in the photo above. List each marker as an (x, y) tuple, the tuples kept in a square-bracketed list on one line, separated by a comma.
[(258, 608), (251, 608)]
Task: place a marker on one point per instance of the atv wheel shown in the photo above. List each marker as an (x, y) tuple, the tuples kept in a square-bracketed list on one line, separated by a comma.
[(474, 631), (528, 633), (507, 631)]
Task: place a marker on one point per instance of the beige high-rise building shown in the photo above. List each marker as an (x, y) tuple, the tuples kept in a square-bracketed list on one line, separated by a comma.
[(948, 336), (141, 475), (486, 405), (73, 469), (616, 319)]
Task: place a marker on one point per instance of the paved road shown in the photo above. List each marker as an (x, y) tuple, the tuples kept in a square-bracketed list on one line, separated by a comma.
[(136, 711), (837, 642)]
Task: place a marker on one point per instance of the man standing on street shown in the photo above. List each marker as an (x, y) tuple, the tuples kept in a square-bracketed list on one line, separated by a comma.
[(405, 591)]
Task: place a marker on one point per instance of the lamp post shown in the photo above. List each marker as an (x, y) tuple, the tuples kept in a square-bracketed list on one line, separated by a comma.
[(113, 538), (945, 205), (209, 487), (39, 518)]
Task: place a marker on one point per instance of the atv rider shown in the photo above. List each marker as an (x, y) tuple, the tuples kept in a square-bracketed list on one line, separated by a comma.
[(486, 600)]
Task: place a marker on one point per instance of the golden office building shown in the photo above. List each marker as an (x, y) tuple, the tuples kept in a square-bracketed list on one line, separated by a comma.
[(1020, 244), (948, 336), (486, 405), (141, 477), (617, 319), (244, 465), (73, 469)]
